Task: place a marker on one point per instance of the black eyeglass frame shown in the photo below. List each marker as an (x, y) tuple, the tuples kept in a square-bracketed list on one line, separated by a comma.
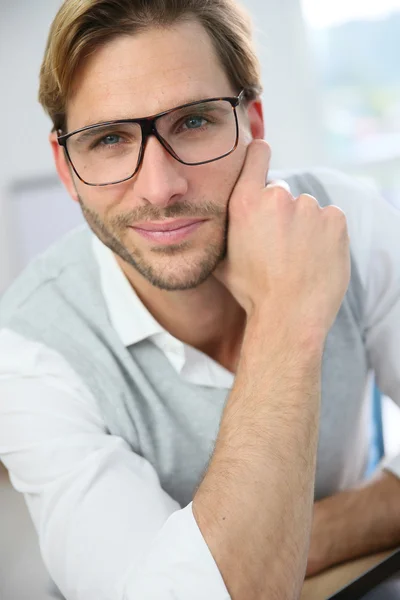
[(148, 128)]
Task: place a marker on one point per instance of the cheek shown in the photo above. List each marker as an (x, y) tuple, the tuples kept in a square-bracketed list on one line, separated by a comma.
[(232, 170), (102, 200)]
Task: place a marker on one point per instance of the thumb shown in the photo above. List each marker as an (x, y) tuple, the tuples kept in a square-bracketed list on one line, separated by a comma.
[(255, 169)]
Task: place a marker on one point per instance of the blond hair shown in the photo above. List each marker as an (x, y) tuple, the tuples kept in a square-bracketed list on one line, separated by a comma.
[(81, 26)]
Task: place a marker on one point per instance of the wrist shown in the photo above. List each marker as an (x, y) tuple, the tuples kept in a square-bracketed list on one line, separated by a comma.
[(281, 328)]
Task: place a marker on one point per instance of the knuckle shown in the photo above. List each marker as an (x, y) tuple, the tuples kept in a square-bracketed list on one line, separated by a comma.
[(335, 213), (337, 218), (307, 201), (279, 183), (279, 191)]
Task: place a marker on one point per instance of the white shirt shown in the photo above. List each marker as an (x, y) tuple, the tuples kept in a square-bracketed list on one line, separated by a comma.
[(107, 530)]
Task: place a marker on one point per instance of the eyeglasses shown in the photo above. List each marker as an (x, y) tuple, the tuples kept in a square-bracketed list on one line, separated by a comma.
[(194, 134)]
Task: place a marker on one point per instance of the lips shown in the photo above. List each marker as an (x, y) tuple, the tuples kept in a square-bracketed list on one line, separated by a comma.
[(166, 233), (162, 226)]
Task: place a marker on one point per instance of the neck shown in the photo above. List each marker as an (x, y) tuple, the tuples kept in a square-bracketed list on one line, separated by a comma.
[(207, 317)]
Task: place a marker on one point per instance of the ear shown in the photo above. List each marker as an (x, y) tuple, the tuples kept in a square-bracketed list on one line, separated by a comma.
[(63, 167), (256, 119)]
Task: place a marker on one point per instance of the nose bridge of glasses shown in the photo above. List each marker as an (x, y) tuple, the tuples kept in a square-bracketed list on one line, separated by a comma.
[(148, 127)]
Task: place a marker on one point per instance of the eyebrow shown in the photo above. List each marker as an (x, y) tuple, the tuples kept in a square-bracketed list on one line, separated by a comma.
[(85, 136), (189, 100)]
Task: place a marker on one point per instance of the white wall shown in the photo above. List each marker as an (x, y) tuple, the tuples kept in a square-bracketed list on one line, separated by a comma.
[(24, 151), (291, 98), (291, 104), (23, 32)]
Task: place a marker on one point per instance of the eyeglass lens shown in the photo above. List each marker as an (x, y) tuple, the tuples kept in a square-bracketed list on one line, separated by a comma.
[(197, 134)]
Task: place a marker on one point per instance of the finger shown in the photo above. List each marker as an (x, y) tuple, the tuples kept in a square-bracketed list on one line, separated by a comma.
[(280, 183), (254, 173)]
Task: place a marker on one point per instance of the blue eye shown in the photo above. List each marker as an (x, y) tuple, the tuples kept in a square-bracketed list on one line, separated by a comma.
[(195, 122), (110, 140)]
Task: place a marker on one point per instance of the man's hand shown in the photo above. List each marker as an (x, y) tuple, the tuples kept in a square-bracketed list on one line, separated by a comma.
[(289, 254)]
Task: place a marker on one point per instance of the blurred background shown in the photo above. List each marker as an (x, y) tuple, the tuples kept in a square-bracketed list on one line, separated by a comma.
[(331, 76)]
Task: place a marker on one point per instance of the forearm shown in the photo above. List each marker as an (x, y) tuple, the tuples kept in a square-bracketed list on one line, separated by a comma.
[(356, 523), (254, 506)]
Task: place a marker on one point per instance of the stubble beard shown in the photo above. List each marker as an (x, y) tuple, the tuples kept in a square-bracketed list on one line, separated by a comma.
[(197, 271)]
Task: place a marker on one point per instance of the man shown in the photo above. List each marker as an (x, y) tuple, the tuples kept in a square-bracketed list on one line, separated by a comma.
[(160, 380)]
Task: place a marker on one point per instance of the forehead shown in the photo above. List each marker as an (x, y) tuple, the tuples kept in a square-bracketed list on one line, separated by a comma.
[(143, 74)]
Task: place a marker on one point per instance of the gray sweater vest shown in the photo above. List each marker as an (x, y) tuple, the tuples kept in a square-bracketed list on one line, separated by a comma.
[(174, 424)]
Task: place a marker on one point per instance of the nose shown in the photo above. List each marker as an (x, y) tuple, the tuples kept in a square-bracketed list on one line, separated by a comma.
[(159, 180)]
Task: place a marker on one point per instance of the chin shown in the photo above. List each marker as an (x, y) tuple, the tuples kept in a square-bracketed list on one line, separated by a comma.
[(177, 279), (180, 273)]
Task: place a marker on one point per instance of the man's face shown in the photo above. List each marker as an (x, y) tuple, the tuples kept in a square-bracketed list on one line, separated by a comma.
[(137, 76)]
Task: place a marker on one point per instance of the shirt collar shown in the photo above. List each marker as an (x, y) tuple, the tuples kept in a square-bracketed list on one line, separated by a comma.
[(134, 323)]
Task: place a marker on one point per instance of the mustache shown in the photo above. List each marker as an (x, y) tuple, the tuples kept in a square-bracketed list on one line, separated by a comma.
[(181, 209)]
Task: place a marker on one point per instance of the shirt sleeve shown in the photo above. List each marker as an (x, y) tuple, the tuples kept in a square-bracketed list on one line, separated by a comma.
[(374, 228), (107, 530)]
